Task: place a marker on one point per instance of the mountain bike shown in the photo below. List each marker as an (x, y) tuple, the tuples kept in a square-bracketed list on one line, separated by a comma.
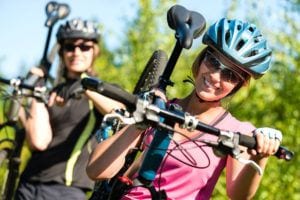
[(148, 78), (148, 110), (11, 142), (188, 25), (146, 113), (23, 87)]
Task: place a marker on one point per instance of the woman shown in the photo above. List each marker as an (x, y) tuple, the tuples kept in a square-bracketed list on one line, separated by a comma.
[(60, 133), (235, 52)]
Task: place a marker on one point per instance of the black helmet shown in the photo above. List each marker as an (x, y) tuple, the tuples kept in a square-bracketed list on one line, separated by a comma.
[(78, 28)]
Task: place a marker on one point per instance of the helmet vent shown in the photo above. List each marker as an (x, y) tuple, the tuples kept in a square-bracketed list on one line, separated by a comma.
[(240, 45), (251, 29), (227, 36), (253, 53), (78, 28), (239, 27)]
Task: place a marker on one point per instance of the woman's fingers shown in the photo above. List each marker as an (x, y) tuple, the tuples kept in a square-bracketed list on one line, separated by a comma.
[(268, 141)]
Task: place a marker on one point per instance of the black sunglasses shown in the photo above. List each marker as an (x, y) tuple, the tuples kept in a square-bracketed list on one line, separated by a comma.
[(216, 65), (72, 47)]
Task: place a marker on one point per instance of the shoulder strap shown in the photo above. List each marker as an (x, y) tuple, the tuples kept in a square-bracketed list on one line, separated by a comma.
[(79, 145), (220, 118)]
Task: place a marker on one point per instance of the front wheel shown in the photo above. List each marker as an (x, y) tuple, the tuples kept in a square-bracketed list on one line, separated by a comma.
[(152, 71), (6, 146)]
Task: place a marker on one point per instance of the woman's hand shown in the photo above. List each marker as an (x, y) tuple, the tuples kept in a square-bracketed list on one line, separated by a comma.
[(37, 71), (55, 99), (160, 94), (268, 141)]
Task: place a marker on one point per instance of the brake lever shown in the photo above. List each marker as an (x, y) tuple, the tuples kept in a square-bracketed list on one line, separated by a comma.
[(228, 143), (111, 122), (232, 140), (120, 117)]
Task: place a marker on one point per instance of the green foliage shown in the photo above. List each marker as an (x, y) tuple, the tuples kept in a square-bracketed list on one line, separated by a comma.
[(146, 33), (272, 101)]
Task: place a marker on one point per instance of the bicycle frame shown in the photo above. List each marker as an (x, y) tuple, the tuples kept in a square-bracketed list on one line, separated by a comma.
[(15, 152), (12, 121), (54, 11)]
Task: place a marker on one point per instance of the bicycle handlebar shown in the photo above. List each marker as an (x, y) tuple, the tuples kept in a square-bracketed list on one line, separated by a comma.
[(244, 140), (112, 91), (131, 101), (17, 83)]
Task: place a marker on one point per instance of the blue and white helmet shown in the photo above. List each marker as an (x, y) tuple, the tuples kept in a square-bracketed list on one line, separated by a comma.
[(242, 43)]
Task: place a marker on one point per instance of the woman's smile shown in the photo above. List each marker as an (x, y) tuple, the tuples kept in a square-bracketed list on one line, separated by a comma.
[(209, 85)]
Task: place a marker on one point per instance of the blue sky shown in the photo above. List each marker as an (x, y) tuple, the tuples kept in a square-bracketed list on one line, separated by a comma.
[(23, 33)]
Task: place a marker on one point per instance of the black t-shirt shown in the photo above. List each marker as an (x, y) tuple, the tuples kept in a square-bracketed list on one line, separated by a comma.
[(67, 122)]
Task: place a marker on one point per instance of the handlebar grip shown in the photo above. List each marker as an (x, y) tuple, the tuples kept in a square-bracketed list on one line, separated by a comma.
[(247, 141), (284, 153), (3, 80), (119, 94), (250, 142), (111, 91)]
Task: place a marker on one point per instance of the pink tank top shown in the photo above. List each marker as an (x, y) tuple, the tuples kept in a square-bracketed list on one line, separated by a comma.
[(190, 171)]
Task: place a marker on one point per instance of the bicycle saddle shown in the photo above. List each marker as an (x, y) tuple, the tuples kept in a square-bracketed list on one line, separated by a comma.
[(187, 24)]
